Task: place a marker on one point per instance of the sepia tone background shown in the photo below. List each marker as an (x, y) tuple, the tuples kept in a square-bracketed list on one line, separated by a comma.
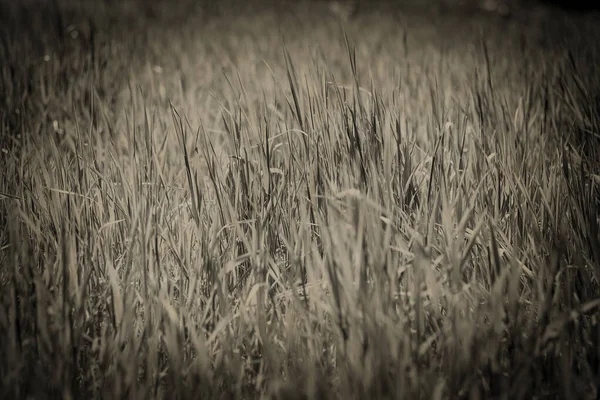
[(299, 199)]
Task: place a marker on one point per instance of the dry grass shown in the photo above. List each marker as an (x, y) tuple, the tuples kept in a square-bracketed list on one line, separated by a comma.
[(209, 204)]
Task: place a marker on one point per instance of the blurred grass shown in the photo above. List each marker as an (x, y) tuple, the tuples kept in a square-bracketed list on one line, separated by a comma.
[(256, 201)]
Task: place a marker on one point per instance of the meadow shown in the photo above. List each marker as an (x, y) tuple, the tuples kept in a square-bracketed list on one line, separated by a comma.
[(261, 200)]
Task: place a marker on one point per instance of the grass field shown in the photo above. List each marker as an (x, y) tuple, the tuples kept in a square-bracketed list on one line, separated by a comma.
[(265, 202)]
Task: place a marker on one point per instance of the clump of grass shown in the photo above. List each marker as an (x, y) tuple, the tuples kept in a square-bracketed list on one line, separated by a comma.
[(394, 214)]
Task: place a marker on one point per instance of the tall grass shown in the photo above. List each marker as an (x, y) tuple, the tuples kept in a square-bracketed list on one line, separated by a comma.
[(272, 205)]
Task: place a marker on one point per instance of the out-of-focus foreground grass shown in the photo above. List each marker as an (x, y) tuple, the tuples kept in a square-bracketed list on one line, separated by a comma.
[(241, 202)]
